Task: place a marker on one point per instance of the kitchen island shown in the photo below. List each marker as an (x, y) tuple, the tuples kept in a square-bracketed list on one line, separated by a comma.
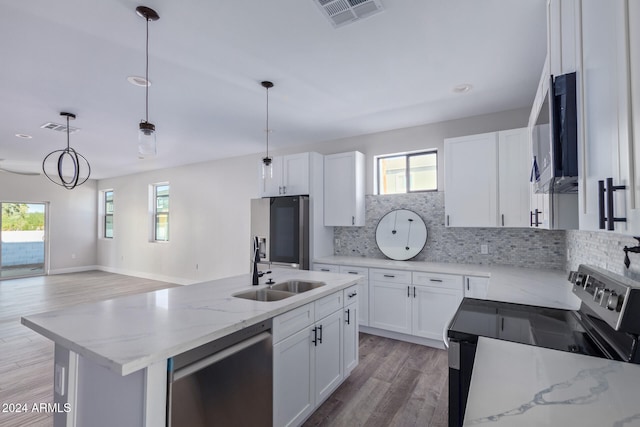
[(119, 348), (520, 385)]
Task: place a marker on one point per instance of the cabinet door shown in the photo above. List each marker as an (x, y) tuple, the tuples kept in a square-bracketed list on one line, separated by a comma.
[(390, 306), (271, 183), (432, 310), (295, 174), (471, 181), (634, 67), (350, 357), (513, 162), (293, 379), (476, 287), (363, 292), (604, 111), (344, 189), (328, 357)]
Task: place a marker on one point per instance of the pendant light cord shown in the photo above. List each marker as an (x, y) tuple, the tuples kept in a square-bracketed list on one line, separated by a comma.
[(267, 130), (67, 133), (147, 74)]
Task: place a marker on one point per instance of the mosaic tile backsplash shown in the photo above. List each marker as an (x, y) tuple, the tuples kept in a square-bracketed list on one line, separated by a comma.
[(519, 247), (603, 250)]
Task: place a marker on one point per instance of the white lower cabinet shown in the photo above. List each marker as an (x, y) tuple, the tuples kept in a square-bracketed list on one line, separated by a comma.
[(350, 333), (363, 292), (418, 304), (308, 357), (476, 287)]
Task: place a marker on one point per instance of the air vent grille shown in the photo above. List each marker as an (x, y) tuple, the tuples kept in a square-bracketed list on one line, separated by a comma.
[(343, 12), (58, 127)]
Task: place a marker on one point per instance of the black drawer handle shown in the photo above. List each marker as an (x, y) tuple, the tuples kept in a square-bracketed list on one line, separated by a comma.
[(324, 269), (348, 316), (352, 295), (353, 272), (315, 337), (435, 280), (391, 276), (320, 337)]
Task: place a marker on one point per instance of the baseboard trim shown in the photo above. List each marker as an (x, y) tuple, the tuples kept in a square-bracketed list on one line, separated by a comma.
[(150, 276), (402, 337), (73, 269)]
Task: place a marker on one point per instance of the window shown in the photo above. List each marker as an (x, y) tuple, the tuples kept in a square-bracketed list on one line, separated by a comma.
[(161, 212), (407, 173), (108, 215)]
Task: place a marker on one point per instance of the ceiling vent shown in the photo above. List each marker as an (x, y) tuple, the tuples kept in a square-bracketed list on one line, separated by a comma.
[(58, 127), (343, 12)]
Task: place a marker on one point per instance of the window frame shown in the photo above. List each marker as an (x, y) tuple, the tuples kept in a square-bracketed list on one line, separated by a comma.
[(106, 214), (155, 214), (407, 175)]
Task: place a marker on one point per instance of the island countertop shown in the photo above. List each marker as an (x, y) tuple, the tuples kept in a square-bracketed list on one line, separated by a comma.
[(520, 385), (129, 333)]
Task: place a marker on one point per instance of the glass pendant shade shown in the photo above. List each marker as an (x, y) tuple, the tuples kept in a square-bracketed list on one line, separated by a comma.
[(267, 168), (146, 140)]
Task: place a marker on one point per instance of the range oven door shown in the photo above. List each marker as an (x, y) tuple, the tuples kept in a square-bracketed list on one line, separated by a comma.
[(461, 356)]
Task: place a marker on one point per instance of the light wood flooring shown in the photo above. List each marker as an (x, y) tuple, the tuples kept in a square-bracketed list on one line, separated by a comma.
[(26, 358), (395, 384)]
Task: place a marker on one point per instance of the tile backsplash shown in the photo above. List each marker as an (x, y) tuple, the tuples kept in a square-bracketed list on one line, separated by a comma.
[(603, 250), (520, 247)]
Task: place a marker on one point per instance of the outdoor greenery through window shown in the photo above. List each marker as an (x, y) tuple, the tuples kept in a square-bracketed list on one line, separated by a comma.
[(108, 214), (161, 212), (406, 173)]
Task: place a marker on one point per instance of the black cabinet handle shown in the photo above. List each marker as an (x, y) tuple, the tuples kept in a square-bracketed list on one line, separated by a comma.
[(536, 213), (324, 269), (502, 324), (447, 220), (320, 337), (610, 218), (348, 316), (503, 220), (352, 272), (408, 291), (468, 283), (391, 276), (414, 291), (351, 295), (315, 337), (353, 220), (435, 280)]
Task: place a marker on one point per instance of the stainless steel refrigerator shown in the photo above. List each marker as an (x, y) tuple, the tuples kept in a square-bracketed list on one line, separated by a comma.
[(281, 225)]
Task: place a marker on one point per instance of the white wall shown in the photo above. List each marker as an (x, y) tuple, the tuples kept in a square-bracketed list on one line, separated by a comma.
[(72, 218), (209, 222)]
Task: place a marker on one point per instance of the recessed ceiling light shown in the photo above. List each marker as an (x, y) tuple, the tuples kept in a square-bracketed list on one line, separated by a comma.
[(462, 88), (23, 136), (138, 81)]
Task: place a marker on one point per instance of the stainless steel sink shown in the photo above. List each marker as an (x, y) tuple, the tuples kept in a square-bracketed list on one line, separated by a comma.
[(297, 286), (264, 295)]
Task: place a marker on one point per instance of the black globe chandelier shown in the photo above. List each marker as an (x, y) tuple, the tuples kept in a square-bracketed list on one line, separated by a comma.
[(66, 168)]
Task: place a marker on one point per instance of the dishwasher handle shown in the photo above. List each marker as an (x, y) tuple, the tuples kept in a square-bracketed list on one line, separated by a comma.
[(223, 354)]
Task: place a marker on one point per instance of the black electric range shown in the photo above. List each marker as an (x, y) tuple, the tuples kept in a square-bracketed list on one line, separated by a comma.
[(606, 325)]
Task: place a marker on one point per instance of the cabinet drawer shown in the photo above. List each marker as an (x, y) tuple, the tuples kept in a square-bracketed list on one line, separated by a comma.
[(362, 271), (330, 268), (351, 294), (327, 305), (437, 280), (394, 276), (292, 321)]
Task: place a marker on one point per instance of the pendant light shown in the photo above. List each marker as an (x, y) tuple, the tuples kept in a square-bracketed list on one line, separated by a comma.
[(147, 130), (267, 166), (67, 169)]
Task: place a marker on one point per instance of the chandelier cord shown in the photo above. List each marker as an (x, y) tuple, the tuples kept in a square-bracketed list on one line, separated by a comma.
[(147, 74)]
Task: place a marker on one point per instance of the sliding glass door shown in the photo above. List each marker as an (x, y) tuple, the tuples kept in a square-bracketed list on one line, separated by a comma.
[(22, 239)]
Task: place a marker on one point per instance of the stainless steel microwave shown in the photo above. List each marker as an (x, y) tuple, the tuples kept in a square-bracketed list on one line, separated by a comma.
[(555, 138)]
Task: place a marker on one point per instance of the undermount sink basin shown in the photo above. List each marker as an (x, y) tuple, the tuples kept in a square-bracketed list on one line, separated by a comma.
[(297, 286), (264, 295)]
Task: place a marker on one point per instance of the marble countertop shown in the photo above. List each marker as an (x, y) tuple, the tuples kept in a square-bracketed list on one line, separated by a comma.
[(129, 333), (519, 385), (548, 288)]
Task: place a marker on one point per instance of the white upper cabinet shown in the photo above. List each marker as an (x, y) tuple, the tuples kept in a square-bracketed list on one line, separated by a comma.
[(513, 178), (471, 180), (487, 180), (344, 189), (561, 36), (604, 122), (290, 176)]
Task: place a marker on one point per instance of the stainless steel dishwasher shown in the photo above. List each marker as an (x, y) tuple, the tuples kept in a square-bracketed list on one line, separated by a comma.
[(227, 382)]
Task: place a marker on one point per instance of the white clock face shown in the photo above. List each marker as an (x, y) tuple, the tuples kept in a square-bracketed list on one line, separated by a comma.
[(401, 234)]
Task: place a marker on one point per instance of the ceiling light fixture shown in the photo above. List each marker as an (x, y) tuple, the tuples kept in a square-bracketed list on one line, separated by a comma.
[(67, 169), (267, 167), (462, 88), (23, 136), (147, 131), (138, 81)]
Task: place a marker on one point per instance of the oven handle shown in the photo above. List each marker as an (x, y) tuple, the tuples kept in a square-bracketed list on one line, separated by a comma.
[(445, 338)]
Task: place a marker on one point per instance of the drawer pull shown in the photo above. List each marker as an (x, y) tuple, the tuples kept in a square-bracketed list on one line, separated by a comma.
[(408, 291), (391, 276), (324, 269), (352, 295), (436, 280), (348, 316), (352, 272), (315, 337), (320, 337)]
